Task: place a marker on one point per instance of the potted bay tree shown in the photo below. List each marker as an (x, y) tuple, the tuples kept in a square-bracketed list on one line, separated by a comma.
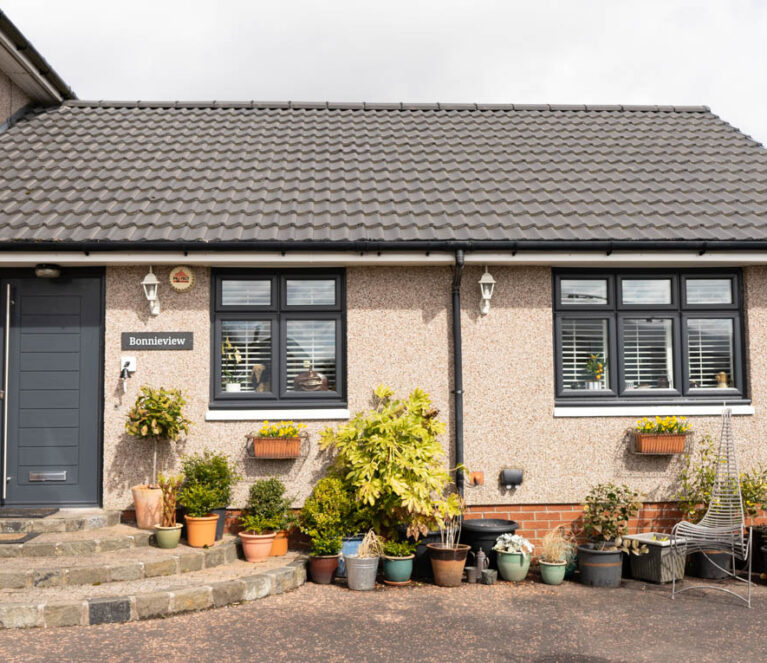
[(157, 415), (606, 513)]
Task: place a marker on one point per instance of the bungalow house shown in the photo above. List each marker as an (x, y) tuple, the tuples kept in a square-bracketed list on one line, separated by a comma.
[(306, 252)]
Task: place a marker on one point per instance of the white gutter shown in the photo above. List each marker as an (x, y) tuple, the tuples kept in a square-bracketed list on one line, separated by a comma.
[(24, 74), (385, 258)]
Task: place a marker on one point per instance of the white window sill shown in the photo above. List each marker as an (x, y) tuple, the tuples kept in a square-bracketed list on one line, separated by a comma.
[(649, 410), (319, 414)]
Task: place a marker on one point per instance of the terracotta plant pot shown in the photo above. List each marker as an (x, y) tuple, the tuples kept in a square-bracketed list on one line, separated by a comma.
[(280, 544), (660, 443), (274, 447), (148, 504), (167, 537), (201, 532), (447, 563), (256, 547), (322, 568)]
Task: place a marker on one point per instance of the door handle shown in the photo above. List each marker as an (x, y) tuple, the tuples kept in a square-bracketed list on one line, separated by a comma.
[(6, 355)]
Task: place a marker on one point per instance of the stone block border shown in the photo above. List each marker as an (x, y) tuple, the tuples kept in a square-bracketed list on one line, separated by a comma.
[(92, 546), (183, 561), (54, 524), (151, 605)]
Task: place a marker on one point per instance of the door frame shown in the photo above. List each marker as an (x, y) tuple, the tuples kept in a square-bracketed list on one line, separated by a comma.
[(94, 272)]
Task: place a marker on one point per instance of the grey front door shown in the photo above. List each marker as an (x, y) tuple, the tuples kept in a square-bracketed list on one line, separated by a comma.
[(53, 401)]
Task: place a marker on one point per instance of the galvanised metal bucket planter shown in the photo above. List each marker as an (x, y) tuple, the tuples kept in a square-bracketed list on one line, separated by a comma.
[(513, 566), (361, 573), (349, 546), (553, 573), (397, 569), (600, 568)]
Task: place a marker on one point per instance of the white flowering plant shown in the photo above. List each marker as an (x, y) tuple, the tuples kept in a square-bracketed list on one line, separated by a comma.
[(513, 543)]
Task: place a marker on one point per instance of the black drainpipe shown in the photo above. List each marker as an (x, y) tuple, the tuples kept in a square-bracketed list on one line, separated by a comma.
[(458, 367)]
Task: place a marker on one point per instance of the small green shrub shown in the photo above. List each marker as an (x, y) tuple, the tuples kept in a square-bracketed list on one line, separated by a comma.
[(268, 505), (255, 524), (398, 548), (607, 511), (198, 499), (212, 469), (323, 516)]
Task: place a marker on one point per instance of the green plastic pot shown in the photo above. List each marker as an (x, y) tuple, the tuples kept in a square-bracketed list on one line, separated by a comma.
[(513, 566), (398, 569), (553, 573), (167, 537)]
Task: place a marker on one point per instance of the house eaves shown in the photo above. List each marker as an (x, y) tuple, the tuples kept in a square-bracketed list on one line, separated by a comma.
[(28, 69)]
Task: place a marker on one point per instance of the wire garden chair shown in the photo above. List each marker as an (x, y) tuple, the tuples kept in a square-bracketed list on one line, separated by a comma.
[(722, 528)]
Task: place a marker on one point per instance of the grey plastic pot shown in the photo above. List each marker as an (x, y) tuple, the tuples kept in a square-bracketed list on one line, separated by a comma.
[(600, 568), (361, 572)]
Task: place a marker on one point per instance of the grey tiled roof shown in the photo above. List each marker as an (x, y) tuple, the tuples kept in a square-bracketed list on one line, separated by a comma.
[(264, 172)]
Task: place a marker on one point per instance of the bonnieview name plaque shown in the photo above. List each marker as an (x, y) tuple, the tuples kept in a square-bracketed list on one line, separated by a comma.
[(157, 340)]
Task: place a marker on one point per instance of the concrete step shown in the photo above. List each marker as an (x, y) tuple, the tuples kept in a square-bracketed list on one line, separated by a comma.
[(150, 597), (64, 520), (82, 542), (108, 567)]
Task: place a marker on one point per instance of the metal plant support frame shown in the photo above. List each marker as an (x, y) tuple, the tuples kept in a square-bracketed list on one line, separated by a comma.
[(722, 527)]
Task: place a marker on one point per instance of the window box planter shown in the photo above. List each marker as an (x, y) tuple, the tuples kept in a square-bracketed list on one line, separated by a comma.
[(274, 447), (661, 563), (660, 443)]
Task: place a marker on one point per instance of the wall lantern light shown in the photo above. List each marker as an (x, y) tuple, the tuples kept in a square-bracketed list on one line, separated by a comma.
[(151, 284), (486, 286), (44, 271)]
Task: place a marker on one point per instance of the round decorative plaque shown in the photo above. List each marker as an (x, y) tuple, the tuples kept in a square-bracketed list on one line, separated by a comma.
[(181, 278)]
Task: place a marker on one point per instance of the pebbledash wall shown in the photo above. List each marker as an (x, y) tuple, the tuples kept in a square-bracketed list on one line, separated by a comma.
[(398, 333)]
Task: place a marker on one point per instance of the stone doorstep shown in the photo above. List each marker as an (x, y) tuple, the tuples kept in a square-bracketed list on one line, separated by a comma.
[(151, 605), (68, 521), (79, 547), (182, 561)]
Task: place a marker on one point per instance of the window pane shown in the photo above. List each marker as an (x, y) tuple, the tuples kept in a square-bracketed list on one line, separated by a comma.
[(246, 293), (584, 348), (312, 292), (648, 357), (710, 353), (246, 355), (583, 291), (311, 355), (646, 291), (709, 291)]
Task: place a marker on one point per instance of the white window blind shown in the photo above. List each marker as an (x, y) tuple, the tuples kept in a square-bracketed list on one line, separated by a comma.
[(311, 347), (648, 355), (710, 352), (582, 338), (246, 354)]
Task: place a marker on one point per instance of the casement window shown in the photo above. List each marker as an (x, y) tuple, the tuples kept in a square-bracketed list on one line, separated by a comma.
[(278, 339), (648, 336)]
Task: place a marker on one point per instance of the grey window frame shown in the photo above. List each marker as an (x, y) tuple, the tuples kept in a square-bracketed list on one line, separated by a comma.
[(615, 312), (278, 313)]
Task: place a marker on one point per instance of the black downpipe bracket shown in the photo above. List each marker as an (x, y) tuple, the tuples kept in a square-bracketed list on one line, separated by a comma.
[(458, 368)]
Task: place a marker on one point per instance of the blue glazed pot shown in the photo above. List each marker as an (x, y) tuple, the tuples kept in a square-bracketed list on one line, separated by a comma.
[(398, 569), (349, 546)]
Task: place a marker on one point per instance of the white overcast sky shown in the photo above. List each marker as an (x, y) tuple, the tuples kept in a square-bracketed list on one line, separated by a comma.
[(711, 52)]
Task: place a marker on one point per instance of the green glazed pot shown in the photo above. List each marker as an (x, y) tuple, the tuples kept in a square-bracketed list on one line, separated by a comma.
[(513, 566), (553, 574), (398, 569), (167, 537)]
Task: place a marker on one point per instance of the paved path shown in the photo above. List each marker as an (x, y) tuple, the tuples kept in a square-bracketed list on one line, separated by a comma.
[(529, 622)]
